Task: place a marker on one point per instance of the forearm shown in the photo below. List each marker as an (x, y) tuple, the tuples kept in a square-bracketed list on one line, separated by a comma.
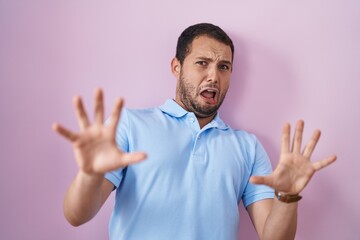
[(84, 198), (281, 222)]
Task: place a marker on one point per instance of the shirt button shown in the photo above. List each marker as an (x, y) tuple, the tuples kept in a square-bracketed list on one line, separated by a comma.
[(192, 119)]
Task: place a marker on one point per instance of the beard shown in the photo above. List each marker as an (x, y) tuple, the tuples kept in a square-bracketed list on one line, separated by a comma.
[(188, 96)]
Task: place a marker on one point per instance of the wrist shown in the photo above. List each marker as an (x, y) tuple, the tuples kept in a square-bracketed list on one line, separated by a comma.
[(89, 179), (287, 198)]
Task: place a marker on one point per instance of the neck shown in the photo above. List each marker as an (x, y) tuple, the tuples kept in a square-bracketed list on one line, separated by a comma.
[(203, 121)]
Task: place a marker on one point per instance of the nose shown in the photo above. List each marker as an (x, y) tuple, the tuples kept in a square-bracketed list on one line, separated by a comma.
[(213, 74)]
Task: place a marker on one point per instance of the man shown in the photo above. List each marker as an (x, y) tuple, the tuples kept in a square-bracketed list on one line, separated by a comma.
[(197, 168)]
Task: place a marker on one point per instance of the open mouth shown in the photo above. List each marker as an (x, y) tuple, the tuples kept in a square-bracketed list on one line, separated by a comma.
[(209, 94)]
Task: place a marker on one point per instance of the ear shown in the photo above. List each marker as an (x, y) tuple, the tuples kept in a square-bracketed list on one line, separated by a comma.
[(175, 67)]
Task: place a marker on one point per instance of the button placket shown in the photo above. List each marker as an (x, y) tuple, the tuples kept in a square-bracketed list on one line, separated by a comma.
[(198, 151), (192, 122), (198, 154)]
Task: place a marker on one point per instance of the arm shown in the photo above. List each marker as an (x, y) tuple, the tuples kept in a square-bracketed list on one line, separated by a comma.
[(272, 218), (85, 197), (96, 153)]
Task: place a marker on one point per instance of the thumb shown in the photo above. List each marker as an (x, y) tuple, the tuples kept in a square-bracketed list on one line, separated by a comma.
[(265, 180), (131, 158), (122, 162)]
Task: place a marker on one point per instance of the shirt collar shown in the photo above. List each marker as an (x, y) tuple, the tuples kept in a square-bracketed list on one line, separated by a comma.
[(174, 109), (218, 123)]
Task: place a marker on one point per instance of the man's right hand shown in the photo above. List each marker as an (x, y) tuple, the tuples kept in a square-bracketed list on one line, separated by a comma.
[(94, 146), (96, 153)]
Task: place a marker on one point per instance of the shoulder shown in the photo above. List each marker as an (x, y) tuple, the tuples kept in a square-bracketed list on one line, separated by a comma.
[(133, 113), (244, 136), (143, 116), (247, 142)]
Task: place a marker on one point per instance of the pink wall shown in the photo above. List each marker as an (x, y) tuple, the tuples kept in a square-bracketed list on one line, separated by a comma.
[(293, 60)]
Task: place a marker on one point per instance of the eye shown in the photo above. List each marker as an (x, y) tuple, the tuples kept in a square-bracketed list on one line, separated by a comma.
[(201, 63), (224, 67)]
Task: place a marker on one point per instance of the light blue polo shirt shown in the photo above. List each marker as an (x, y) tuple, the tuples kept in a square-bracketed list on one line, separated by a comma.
[(192, 181)]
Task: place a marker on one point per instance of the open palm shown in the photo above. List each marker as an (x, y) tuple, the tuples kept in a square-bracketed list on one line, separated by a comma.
[(94, 146), (295, 168)]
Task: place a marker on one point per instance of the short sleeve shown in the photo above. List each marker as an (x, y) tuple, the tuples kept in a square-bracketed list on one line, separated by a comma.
[(122, 141), (261, 166)]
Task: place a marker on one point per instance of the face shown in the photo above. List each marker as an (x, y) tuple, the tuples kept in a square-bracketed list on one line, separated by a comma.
[(204, 77)]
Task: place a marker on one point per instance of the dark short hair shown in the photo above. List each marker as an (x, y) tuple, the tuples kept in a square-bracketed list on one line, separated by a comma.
[(197, 30)]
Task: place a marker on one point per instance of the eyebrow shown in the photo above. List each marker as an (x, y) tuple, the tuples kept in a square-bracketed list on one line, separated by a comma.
[(211, 60)]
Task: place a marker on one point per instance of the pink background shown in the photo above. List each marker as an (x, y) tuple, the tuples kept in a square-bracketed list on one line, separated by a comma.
[(293, 60)]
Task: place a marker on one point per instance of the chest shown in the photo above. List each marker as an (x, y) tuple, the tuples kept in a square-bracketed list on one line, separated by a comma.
[(199, 161)]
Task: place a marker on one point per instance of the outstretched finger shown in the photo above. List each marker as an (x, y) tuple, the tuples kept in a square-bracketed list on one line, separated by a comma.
[(99, 106), (324, 163), (265, 180), (64, 132), (81, 115), (115, 115), (296, 146), (132, 158), (309, 149), (126, 160), (285, 138)]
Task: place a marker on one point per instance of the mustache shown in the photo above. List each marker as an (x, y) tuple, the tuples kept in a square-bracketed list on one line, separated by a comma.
[(211, 85)]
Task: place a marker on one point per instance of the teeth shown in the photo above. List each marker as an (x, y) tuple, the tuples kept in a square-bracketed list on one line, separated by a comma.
[(211, 90)]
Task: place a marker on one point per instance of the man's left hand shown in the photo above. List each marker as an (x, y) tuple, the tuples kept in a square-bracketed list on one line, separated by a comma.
[(295, 168)]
